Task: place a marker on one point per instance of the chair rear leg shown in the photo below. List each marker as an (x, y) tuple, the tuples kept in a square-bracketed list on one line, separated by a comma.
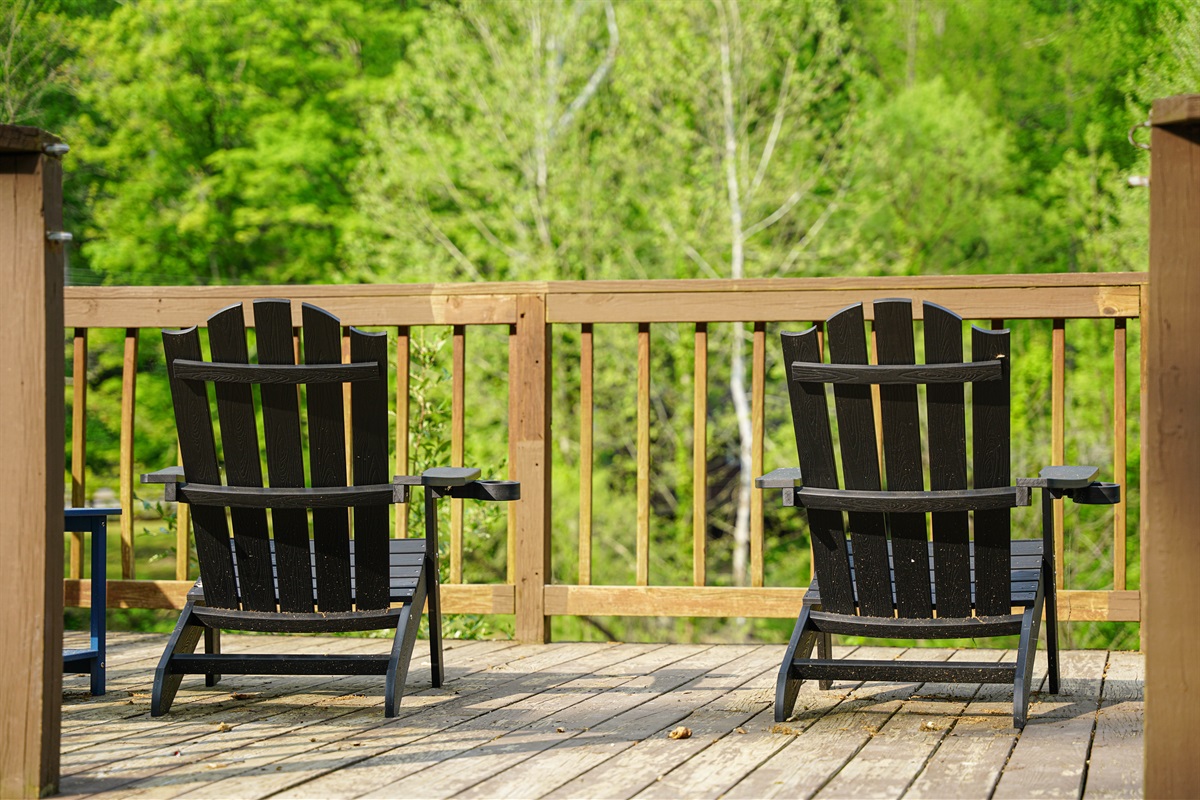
[(1051, 628), (435, 623), (212, 646), (825, 650), (402, 648), (787, 685), (184, 639)]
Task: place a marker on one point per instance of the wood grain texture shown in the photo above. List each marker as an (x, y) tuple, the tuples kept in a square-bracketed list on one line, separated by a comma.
[(242, 458), (857, 441), (769, 301), (991, 432), (573, 720), (327, 461), (31, 471), (758, 391), (369, 410), (79, 395), (586, 430), (902, 456), (814, 446), (125, 451), (1120, 434), (700, 455), (529, 412), (1058, 393), (193, 422), (285, 458), (945, 404), (643, 455), (1171, 447), (403, 360), (458, 382)]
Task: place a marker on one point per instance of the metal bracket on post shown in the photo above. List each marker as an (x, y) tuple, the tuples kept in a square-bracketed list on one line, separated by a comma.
[(61, 237)]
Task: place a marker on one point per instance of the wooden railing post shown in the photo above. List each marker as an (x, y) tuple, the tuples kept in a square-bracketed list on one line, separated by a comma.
[(1171, 454), (31, 469), (529, 456)]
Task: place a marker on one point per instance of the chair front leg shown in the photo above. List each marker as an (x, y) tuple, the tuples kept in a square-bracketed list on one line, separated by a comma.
[(787, 685), (402, 648), (183, 640)]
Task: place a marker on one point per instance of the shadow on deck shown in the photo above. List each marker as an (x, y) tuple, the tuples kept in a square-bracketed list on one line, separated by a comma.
[(591, 720)]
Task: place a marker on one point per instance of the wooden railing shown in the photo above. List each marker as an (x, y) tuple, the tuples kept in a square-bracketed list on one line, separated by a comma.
[(533, 313)]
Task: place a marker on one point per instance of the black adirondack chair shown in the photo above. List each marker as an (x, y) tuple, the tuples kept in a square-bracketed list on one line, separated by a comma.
[(888, 578), (275, 576)]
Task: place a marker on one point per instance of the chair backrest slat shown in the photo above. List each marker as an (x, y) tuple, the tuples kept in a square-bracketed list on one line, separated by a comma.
[(198, 449), (902, 458), (327, 460), (991, 435), (239, 446), (285, 459), (810, 410), (860, 464), (948, 463), (369, 410), (922, 577)]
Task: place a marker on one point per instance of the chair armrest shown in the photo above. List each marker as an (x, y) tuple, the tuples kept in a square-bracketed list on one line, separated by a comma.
[(168, 475), (1060, 478), (1075, 483), (462, 482), (439, 476), (786, 478)]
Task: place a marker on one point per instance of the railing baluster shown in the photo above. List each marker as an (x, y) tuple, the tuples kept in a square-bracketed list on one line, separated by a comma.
[(403, 355), (758, 383), (1120, 443), (700, 456), (128, 394), (586, 430), (1057, 426), (457, 398), (643, 455), (78, 443)]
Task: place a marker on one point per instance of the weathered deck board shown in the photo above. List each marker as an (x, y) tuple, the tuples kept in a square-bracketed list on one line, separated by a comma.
[(1050, 759), (575, 720), (1115, 766)]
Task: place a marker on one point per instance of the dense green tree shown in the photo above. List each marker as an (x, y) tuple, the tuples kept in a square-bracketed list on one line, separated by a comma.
[(217, 136)]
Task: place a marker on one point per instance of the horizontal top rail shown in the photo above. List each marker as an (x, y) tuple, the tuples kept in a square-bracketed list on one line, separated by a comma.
[(1072, 295)]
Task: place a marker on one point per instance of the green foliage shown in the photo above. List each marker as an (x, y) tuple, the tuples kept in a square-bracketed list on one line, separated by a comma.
[(267, 141), (216, 136)]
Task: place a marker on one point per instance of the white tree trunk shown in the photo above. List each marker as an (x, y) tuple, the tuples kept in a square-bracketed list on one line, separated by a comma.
[(737, 270)]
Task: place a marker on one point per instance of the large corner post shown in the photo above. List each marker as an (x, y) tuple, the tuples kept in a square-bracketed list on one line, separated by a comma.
[(529, 456), (31, 470), (1171, 454)]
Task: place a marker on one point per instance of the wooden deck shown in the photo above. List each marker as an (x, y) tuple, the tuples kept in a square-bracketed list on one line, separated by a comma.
[(591, 720)]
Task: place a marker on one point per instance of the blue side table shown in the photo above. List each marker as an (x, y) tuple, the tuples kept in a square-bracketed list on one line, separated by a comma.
[(91, 660)]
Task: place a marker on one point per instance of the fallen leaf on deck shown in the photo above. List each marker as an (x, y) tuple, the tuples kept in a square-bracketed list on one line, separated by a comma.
[(680, 733), (740, 729), (224, 726), (243, 695)]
